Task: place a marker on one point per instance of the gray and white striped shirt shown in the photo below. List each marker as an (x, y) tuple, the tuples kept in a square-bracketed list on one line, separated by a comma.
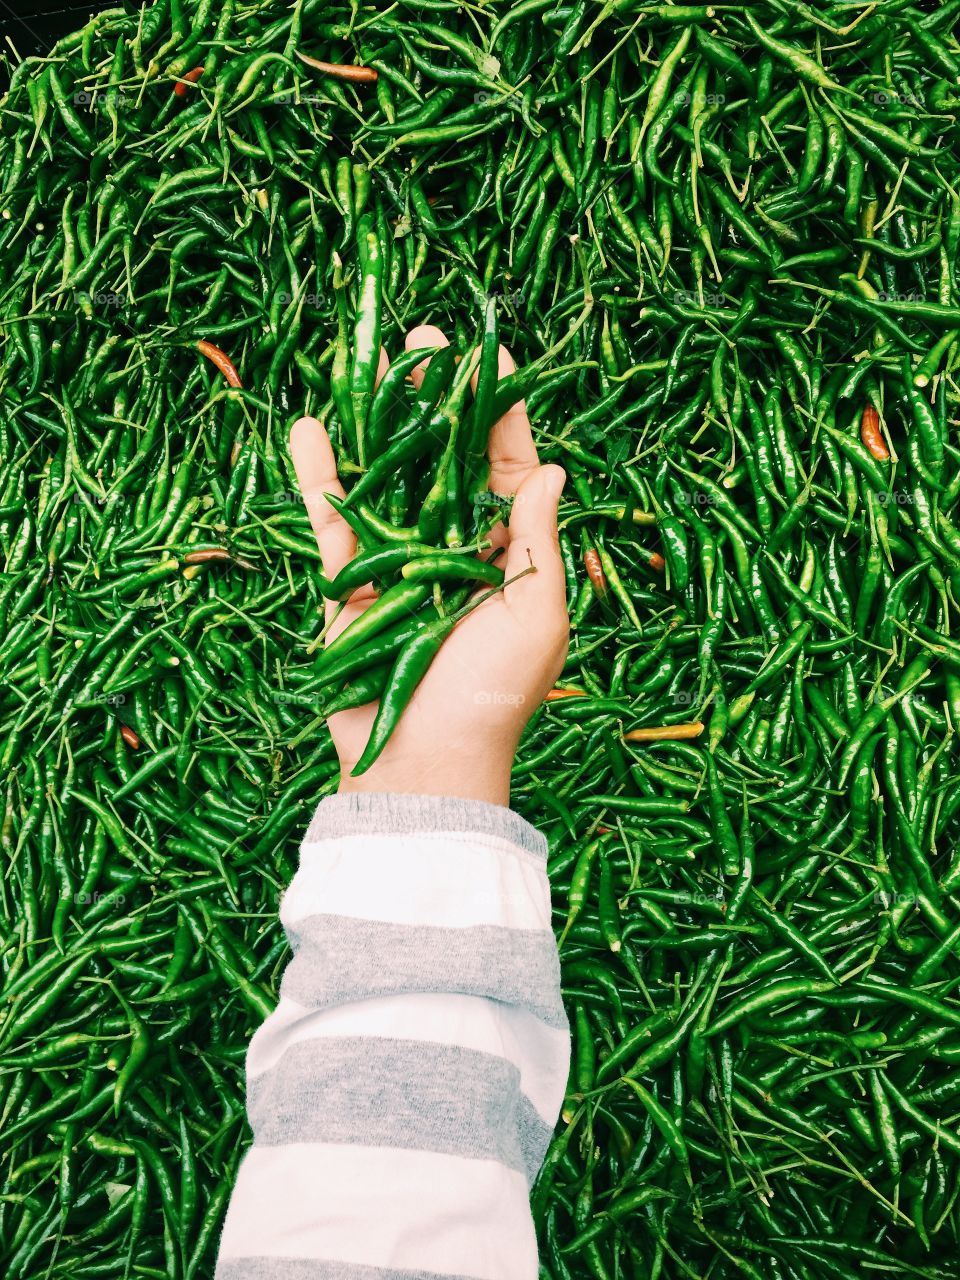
[(403, 1093)]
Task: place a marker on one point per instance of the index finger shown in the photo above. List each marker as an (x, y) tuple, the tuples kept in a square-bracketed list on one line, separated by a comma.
[(317, 476), (316, 469)]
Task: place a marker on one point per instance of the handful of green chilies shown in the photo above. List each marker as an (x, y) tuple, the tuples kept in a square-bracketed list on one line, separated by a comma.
[(387, 649)]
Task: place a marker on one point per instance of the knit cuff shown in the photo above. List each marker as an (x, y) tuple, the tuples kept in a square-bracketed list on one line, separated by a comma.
[(354, 813)]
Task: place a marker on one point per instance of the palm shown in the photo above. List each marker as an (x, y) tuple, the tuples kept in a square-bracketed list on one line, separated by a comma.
[(478, 660)]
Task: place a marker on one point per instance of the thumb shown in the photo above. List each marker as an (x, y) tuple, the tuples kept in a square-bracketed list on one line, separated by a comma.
[(532, 534)]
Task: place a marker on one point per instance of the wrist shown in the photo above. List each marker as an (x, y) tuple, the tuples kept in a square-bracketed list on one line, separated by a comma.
[(491, 785)]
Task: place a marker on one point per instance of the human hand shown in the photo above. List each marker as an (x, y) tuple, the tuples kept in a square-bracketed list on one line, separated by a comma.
[(460, 730)]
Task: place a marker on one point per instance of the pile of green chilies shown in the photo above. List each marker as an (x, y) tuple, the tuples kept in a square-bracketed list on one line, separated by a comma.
[(720, 241)]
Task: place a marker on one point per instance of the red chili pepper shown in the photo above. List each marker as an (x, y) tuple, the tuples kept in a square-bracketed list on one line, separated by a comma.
[(129, 737), (591, 562), (217, 553), (656, 561), (221, 360), (870, 434), (555, 694), (212, 553), (341, 71), (189, 78)]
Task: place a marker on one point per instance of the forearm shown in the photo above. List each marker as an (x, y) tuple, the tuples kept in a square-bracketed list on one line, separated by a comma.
[(403, 1093)]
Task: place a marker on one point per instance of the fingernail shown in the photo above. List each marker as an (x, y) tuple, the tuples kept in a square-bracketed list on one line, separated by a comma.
[(557, 479)]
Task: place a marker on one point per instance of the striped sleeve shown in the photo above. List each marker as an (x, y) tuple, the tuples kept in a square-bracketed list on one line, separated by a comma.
[(403, 1093)]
